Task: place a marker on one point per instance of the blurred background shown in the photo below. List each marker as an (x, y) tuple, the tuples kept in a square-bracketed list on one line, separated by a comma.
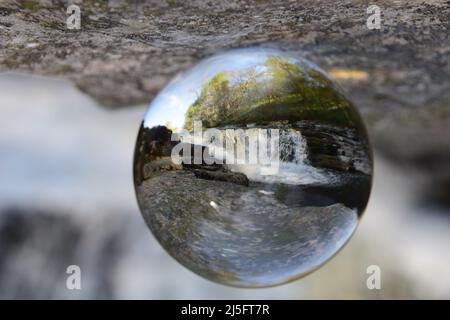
[(67, 198)]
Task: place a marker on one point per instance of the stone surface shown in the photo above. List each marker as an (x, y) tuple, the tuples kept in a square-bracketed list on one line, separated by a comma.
[(248, 238), (124, 53)]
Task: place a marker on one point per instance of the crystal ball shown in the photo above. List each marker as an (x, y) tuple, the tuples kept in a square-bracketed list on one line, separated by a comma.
[(252, 168)]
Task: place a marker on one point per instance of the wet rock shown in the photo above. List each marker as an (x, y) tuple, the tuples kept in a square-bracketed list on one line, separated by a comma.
[(329, 162), (158, 166), (153, 144), (237, 235), (336, 148)]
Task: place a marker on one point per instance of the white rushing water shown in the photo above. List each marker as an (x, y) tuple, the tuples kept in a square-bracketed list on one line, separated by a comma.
[(286, 158), (293, 167)]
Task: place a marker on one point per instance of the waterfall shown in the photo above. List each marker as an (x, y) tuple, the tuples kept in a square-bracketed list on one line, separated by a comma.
[(293, 147), (291, 167)]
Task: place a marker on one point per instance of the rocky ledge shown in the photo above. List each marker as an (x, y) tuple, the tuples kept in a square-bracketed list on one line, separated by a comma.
[(398, 76)]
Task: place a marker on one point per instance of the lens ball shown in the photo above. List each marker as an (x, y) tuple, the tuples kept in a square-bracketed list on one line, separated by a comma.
[(252, 168)]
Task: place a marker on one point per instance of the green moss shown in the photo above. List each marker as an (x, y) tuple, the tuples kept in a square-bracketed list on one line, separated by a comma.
[(172, 3), (282, 92), (96, 5), (64, 69), (51, 24), (29, 5), (295, 108)]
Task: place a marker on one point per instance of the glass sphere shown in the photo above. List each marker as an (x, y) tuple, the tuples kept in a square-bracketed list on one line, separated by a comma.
[(252, 169)]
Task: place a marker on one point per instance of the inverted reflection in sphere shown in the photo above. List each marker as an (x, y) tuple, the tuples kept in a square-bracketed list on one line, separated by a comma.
[(252, 168)]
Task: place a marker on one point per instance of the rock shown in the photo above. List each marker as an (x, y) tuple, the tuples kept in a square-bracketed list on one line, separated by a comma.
[(222, 175), (336, 148), (214, 171), (398, 76), (153, 143), (124, 54), (237, 235), (329, 162)]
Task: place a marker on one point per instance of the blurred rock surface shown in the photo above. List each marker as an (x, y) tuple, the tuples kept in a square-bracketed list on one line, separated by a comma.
[(398, 76)]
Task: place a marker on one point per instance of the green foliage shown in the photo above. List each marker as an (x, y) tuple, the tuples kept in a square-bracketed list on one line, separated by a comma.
[(51, 24), (279, 90), (29, 5)]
